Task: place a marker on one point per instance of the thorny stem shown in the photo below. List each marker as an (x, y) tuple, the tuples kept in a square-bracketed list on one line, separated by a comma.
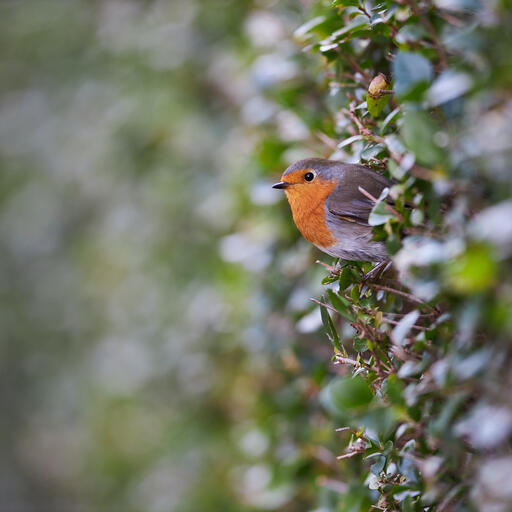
[(358, 364)]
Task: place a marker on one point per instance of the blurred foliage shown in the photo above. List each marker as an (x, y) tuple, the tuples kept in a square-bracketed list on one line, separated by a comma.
[(159, 348)]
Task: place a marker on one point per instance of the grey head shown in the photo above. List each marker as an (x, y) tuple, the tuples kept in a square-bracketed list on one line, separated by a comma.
[(328, 170)]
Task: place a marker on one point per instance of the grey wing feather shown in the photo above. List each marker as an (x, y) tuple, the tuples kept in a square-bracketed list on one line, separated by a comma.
[(347, 202)]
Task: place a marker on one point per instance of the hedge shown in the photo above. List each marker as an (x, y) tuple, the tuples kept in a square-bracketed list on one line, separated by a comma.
[(420, 91)]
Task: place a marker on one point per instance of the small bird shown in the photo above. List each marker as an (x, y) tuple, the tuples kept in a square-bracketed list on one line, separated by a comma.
[(330, 210)]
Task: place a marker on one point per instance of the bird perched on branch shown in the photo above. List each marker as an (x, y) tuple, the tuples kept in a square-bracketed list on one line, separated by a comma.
[(331, 202)]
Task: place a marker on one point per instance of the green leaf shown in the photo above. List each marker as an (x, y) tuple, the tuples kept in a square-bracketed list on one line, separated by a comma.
[(346, 393), (360, 345), (407, 505), (345, 3), (412, 73), (346, 278), (439, 425), (379, 214), (372, 151), (389, 118), (403, 327), (376, 105), (329, 279), (448, 86), (410, 33), (354, 294), (349, 141), (377, 467), (358, 23), (473, 271), (342, 305), (394, 390), (309, 26), (418, 134), (330, 328), (382, 421), (393, 244)]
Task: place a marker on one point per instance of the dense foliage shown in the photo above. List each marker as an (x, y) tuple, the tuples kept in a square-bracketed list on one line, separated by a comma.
[(422, 92), (160, 350)]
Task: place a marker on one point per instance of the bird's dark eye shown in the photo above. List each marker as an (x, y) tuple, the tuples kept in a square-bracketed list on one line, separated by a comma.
[(309, 176)]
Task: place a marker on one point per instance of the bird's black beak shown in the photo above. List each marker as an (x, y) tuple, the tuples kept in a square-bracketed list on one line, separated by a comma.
[(281, 184)]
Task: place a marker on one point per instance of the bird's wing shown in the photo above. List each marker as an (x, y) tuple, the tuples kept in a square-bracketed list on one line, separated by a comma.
[(347, 202)]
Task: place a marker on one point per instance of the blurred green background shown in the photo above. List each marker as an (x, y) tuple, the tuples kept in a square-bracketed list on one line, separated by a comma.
[(146, 263)]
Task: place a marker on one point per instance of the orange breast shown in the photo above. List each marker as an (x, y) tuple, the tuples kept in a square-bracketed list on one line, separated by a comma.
[(307, 204)]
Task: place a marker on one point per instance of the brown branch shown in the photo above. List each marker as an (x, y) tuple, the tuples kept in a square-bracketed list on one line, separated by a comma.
[(362, 129), (332, 270), (330, 308), (394, 322), (328, 141), (354, 65), (408, 296), (404, 314), (452, 20)]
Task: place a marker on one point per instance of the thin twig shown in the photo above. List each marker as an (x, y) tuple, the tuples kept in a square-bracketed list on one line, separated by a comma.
[(362, 8), (353, 362), (362, 129), (330, 308), (387, 206), (330, 268), (394, 322), (328, 141), (452, 20), (347, 360), (354, 65), (408, 296), (349, 454), (403, 314)]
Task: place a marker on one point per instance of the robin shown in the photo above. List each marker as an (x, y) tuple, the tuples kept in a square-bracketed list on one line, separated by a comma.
[(330, 210)]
